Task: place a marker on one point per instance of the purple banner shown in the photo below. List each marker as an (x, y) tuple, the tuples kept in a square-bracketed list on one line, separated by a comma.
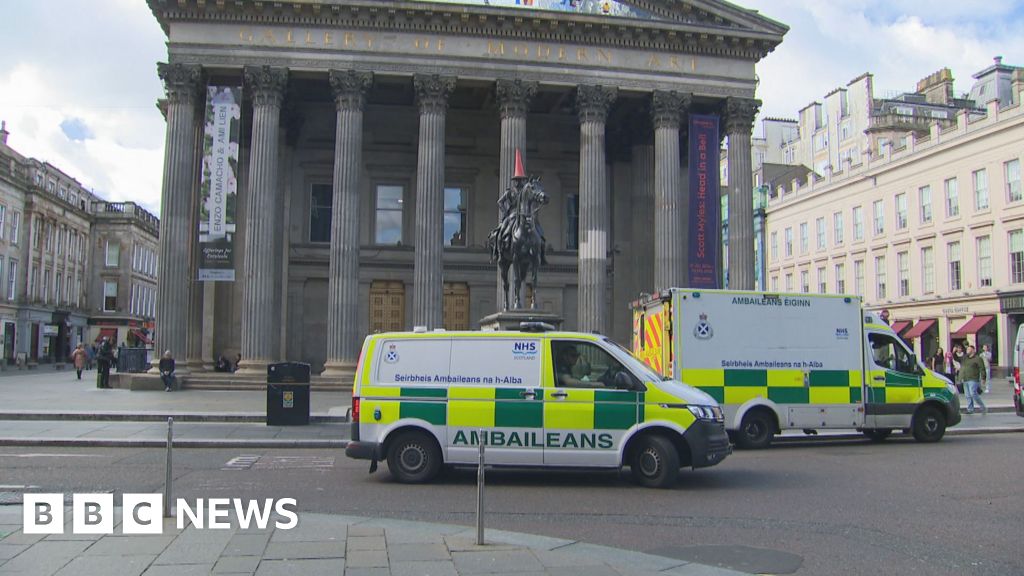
[(705, 202)]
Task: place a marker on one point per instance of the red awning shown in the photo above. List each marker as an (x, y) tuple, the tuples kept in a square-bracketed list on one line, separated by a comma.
[(145, 339), (971, 327), (920, 328), (108, 333), (900, 326)]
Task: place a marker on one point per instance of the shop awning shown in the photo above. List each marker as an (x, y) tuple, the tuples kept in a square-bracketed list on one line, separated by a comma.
[(919, 329), (108, 333), (971, 327), (142, 337), (900, 326)]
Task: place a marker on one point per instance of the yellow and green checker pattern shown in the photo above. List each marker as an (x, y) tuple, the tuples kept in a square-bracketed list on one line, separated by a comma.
[(729, 386)]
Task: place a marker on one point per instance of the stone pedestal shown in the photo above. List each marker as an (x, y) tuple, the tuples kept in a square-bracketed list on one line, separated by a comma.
[(510, 319)]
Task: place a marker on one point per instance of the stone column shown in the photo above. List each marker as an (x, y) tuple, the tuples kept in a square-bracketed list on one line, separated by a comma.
[(260, 316), (432, 93), (670, 198), (642, 184), (514, 98), (343, 280), (739, 123), (592, 105), (182, 84), (194, 341)]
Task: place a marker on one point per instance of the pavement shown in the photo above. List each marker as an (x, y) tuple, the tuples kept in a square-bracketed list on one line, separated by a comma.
[(49, 407)]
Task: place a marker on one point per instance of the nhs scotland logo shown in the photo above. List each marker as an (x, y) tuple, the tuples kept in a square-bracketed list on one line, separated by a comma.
[(523, 350)]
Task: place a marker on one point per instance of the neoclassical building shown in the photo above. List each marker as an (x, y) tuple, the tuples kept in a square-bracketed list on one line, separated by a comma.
[(376, 136)]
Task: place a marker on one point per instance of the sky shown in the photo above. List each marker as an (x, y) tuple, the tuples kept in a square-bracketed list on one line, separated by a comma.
[(78, 82)]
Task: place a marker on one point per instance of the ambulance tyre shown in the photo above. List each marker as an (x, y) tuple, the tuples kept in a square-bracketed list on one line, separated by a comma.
[(756, 430), (655, 462), (929, 424), (414, 457)]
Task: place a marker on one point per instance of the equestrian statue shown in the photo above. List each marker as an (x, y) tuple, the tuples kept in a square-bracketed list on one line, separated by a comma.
[(518, 241)]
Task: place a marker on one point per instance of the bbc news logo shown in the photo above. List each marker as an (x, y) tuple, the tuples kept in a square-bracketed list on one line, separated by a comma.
[(143, 513)]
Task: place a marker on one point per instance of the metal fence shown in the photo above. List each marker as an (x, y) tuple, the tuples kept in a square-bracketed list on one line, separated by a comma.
[(132, 359)]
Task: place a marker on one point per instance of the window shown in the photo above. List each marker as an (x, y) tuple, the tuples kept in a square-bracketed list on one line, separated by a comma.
[(789, 282), (113, 254), (984, 261), (858, 222), (454, 217), (858, 277), (775, 283), (805, 281), (572, 222), (1017, 256), (820, 231), (788, 246), (804, 240), (879, 209), (980, 178), (927, 270), (60, 240), (585, 365), (48, 233), (56, 287), (844, 131), (953, 256), (837, 228), (925, 193), (110, 296), (44, 290), (901, 211), (822, 280), (320, 198), (15, 226), (903, 272), (879, 277), (12, 279), (952, 198), (3, 220), (62, 192), (775, 245), (887, 352), (388, 223), (1011, 170), (840, 279)]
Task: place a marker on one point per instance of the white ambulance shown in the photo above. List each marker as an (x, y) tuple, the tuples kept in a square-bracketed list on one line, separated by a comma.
[(536, 398), (792, 361)]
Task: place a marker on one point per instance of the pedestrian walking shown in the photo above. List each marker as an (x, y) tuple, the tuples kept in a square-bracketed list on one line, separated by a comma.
[(90, 360), (167, 371), (104, 360), (972, 371), (79, 357), (986, 356), (938, 362)]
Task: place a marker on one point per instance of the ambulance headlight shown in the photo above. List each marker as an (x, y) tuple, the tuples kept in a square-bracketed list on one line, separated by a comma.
[(705, 412)]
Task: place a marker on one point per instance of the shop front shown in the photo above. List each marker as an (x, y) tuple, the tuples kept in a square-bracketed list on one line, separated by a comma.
[(929, 327)]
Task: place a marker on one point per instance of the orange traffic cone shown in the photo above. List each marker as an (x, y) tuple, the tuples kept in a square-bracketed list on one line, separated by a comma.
[(519, 173)]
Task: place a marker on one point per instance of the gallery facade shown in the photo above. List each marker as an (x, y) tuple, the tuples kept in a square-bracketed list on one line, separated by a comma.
[(375, 137)]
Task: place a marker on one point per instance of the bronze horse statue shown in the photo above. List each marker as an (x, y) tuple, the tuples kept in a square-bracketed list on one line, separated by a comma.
[(518, 242)]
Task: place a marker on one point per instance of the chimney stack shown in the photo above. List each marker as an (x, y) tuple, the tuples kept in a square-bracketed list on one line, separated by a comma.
[(938, 87), (3, 132)]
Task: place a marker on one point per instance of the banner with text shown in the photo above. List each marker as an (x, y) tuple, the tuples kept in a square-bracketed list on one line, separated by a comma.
[(704, 202), (219, 186)]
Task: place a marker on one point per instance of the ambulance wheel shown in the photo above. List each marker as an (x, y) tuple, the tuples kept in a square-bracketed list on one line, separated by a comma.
[(655, 463), (756, 430), (878, 434), (929, 424), (414, 458)]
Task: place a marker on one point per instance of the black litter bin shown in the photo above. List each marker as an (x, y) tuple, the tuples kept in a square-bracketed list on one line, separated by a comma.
[(287, 394)]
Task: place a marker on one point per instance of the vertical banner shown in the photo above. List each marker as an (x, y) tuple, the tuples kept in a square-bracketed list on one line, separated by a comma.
[(704, 202), (219, 186)]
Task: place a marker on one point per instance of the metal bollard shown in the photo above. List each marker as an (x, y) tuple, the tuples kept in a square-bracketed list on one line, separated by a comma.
[(167, 479), (480, 492)]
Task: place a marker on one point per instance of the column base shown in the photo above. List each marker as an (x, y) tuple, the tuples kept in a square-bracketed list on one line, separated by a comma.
[(338, 368), (252, 368)]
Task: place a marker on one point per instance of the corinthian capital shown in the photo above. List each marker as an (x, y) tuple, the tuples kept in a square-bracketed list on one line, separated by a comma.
[(514, 97), (432, 91), (668, 107), (266, 84), (740, 114), (593, 102), (349, 87), (181, 81)]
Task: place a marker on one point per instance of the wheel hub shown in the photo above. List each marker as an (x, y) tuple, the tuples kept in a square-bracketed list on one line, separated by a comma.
[(650, 462), (413, 457)]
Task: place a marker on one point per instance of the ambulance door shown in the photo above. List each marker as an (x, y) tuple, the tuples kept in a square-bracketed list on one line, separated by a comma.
[(585, 414), (495, 397), (893, 386)]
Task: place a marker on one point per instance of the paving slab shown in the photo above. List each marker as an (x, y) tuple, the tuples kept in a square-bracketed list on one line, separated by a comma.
[(133, 565)]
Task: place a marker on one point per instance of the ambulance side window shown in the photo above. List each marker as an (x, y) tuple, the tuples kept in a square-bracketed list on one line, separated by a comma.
[(585, 365), (887, 352)]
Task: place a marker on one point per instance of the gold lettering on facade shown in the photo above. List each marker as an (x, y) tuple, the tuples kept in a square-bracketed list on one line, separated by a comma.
[(561, 54), (268, 37), (604, 56), (328, 39), (543, 52), (522, 51), (288, 38), (654, 61), (309, 39), (673, 62), (581, 54), (693, 64), (495, 49), (348, 39), (245, 36), (425, 44)]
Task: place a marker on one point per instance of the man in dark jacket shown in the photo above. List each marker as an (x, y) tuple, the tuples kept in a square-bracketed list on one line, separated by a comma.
[(167, 371), (104, 359), (972, 373)]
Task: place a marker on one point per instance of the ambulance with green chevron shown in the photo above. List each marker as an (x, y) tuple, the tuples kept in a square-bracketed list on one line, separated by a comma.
[(792, 361), (535, 398)]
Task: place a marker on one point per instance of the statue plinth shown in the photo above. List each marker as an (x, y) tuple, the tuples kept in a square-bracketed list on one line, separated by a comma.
[(510, 319)]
